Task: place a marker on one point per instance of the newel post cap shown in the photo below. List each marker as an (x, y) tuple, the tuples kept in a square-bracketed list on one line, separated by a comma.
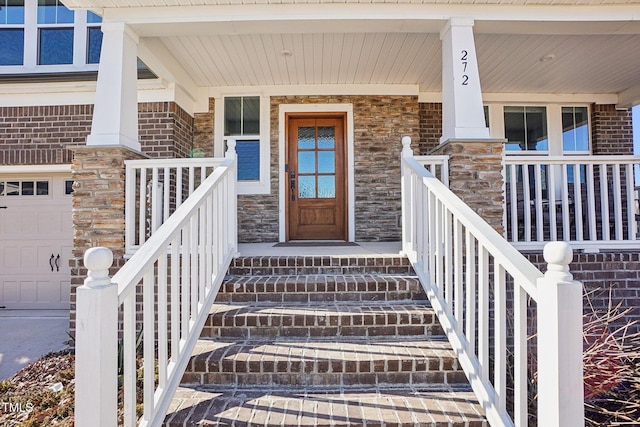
[(558, 256), (98, 260), (406, 146), (231, 147)]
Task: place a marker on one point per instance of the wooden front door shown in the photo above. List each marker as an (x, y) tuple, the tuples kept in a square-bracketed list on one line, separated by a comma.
[(316, 178)]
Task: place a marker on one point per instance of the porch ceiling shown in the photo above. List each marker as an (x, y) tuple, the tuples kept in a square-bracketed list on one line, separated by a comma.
[(508, 63)]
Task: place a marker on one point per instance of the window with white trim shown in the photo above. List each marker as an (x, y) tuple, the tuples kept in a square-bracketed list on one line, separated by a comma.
[(550, 129), (46, 36), (245, 118)]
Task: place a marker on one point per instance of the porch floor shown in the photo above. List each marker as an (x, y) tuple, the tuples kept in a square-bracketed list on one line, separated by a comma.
[(362, 248)]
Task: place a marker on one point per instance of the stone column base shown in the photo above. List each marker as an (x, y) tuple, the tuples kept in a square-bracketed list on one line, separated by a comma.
[(98, 201), (475, 175)]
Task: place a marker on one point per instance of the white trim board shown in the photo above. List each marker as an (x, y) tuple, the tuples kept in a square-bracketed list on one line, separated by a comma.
[(35, 169)]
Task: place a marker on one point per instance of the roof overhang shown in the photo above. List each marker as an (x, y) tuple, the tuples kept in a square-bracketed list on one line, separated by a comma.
[(587, 48)]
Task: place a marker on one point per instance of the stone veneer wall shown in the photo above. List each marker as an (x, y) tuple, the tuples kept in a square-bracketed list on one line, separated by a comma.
[(379, 124)]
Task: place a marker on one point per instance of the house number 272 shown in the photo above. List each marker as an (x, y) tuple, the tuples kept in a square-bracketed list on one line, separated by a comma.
[(464, 62)]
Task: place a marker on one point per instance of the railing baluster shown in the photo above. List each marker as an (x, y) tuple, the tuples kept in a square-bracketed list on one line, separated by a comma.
[(175, 297), (513, 178), (448, 260), (130, 207), (155, 201), (149, 358), (604, 200), (193, 279), (129, 360), (166, 194), (617, 202), (163, 321), (566, 225), (631, 203), (500, 343), (551, 187), (577, 204), (526, 203), (591, 202), (179, 188), (458, 298), (186, 279), (538, 204), (470, 321), (520, 337), (142, 214), (483, 312)]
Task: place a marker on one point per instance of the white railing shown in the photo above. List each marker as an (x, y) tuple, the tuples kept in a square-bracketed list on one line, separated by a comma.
[(155, 188), (588, 201), (437, 165), (165, 290), (491, 301)]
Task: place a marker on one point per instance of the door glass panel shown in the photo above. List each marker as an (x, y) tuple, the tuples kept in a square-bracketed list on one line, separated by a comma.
[(326, 162), (306, 137), (327, 187), (306, 187), (306, 162), (326, 137)]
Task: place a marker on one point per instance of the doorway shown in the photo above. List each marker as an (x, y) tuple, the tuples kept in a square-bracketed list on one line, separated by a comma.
[(316, 193)]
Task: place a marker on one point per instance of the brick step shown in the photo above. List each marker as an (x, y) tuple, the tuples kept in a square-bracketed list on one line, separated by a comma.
[(321, 288), (334, 362), (281, 407), (321, 320), (303, 265)]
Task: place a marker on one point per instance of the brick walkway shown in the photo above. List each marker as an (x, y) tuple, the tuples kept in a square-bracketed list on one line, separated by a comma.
[(314, 341)]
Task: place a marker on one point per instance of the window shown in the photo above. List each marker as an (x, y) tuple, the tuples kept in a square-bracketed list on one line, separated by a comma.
[(55, 35), (24, 188), (575, 129), (44, 35), (12, 32), (547, 129), (94, 38), (242, 121), (526, 128)]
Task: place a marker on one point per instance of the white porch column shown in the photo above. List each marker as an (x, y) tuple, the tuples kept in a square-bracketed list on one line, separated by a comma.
[(462, 110), (115, 115)]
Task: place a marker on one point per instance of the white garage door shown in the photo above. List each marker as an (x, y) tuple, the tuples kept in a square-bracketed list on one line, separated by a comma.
[(36, 239)]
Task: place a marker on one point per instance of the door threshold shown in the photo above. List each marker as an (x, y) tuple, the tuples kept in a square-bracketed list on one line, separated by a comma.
[(313, 243)]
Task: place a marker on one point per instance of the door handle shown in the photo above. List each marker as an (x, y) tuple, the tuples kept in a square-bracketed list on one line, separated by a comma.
[(51, 261), (3, 207), (58, 263), (292, 185)]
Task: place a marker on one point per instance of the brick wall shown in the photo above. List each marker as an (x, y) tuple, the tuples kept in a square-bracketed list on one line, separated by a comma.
[(611, 130), (379, 124), (165, 130), (41, 135), (430, 126), (604, 274)]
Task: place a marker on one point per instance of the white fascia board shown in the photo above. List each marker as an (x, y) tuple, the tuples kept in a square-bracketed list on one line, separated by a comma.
[(528, 98), (302, 90), (78, 93), (629, 97), (35, 169), (550, 98), (408, 15)]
